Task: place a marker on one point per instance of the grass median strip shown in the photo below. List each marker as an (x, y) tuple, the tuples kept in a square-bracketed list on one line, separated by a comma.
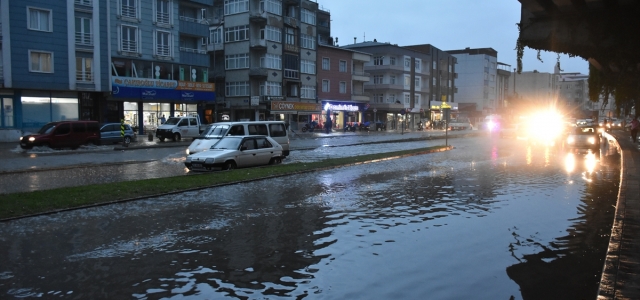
[(30, 203)]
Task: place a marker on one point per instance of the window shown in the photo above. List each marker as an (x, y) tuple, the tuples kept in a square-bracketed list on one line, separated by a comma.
[(418, 65), (271, 88), (407, 99), (129, 39), (40, 61), (271, 61), (343, 87), (163, 12), (290, 36), (378, 98), (39, 19), (325, 86), (84, 69), (273, 34), (235, 6), (307, 41), (215, 36), (129, 8), (378, 60), (272, 6), (291, 66), (236, 61), (392, 79), (343, 66), (416, 100), (308, 66), (391, 98), (407, 80), (163, 43), (392, 60), (240, 88), (377, 79), (407, 62), (417, 82), (83, 31), (308, 17), (308, 92), (326, 63), (238, 33)]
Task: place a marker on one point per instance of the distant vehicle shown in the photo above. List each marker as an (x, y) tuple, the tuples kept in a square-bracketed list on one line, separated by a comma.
[(63, 134), (111, 133), (233, 152), (583, 137)]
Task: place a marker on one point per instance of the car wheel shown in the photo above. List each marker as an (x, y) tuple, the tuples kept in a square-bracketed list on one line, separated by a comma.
[(161, 139), (230, 165), (127, 140), (176, 137)]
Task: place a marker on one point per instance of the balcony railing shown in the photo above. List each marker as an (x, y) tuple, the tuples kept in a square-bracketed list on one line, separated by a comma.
[(289, 73), (163, 18), (84, 76), (129, 46), (194, 20), (83, 2), (215, 47), (163, 50), (191, 50), (129, 11), (83, 38)]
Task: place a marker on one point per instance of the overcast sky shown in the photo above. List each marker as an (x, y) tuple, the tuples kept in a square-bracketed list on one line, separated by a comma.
[(445, 24)]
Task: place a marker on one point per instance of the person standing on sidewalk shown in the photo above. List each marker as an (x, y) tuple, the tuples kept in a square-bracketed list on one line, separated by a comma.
[(634, 129)]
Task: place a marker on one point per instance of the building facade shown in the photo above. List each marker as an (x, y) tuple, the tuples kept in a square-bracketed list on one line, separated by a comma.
[(54, 63), (477, 80), (341, 79), (408, 84)]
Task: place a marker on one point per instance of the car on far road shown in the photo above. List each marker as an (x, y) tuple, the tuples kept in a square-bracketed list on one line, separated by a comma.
[(232, 152), (111, 133), (583, 137)]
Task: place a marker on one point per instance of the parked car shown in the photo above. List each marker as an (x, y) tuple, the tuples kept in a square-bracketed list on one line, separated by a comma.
[(63, 134), (583, 137), (232, 152), (112, 133), (213, 132)]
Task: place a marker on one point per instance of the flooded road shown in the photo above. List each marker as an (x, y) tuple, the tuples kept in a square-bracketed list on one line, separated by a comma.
[(491, 219)]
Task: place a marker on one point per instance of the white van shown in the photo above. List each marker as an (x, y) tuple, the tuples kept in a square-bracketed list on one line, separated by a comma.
[(213, 132)]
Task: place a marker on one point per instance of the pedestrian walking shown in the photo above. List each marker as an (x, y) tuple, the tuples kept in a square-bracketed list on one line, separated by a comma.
[(162, 119), (634, 129)]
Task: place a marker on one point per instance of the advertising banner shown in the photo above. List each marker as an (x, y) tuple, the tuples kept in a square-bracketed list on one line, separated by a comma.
[(162, 89)]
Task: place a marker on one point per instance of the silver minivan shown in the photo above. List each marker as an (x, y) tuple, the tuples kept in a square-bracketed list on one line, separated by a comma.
[(213, 132)]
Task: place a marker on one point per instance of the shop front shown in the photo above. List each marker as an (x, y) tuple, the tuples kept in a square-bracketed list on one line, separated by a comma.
[(145, 103), (296, 114), (343, 113)]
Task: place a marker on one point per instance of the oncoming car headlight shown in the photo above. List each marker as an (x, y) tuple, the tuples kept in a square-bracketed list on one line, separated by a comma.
[(591, 140), (31, 139), (571, 140)]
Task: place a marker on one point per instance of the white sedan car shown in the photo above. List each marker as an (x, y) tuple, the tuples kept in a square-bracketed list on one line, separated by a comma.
[(232, 152)]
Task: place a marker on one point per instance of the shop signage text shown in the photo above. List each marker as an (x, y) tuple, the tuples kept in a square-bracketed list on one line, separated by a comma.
[(291, 106)]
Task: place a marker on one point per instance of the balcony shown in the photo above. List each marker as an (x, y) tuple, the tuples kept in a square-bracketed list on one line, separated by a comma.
[(84, 76), (129, 11), (360, 76), (163, 18), (259, 45), (215, 47), (293, 22), (196, 57), (359, 97), (258, 17), (84, 2), (258, 73), (291, 48), (292, 74), (204, 2), (85, 39), (194, 27)]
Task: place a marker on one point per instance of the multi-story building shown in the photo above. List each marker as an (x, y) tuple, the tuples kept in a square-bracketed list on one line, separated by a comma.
[(408, 83), (573, 95), (54, 63), (477, 80), (536, 88), (159, 60), (341, 79)]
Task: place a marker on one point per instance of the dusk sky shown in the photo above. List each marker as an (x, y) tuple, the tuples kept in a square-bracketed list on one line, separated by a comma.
[(445, 24)]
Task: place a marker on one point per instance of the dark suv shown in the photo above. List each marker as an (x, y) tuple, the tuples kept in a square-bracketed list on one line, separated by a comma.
[(111, 133), (63, 134)]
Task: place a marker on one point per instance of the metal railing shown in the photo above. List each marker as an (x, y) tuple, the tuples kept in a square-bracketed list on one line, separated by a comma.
[(163, 50), (163, 18), (129, 11), (84, 76), (129, 46), (290, 73), (83, 2), (83, 38), (191, 50), (194, 20)]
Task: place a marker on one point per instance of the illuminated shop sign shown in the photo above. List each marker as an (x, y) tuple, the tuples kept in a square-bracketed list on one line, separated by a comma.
[(153, 89), (295, 106), (341, 107)]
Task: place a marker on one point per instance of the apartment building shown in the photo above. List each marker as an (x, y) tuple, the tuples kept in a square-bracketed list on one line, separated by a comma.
[(54, 63), (408, 84), (342, 79), (477, 79), (573, 96)]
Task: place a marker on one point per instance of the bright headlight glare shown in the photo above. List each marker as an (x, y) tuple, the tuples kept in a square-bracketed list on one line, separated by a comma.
[(592, 140), (187, 151), (31, 139), (571, 140)]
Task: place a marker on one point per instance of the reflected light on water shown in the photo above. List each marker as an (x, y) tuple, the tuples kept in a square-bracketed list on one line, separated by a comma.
[(570, 162), (590, 162), (529, 155)]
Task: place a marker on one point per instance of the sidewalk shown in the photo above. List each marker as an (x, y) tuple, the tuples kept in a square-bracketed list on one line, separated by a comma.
[(621, 273)]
